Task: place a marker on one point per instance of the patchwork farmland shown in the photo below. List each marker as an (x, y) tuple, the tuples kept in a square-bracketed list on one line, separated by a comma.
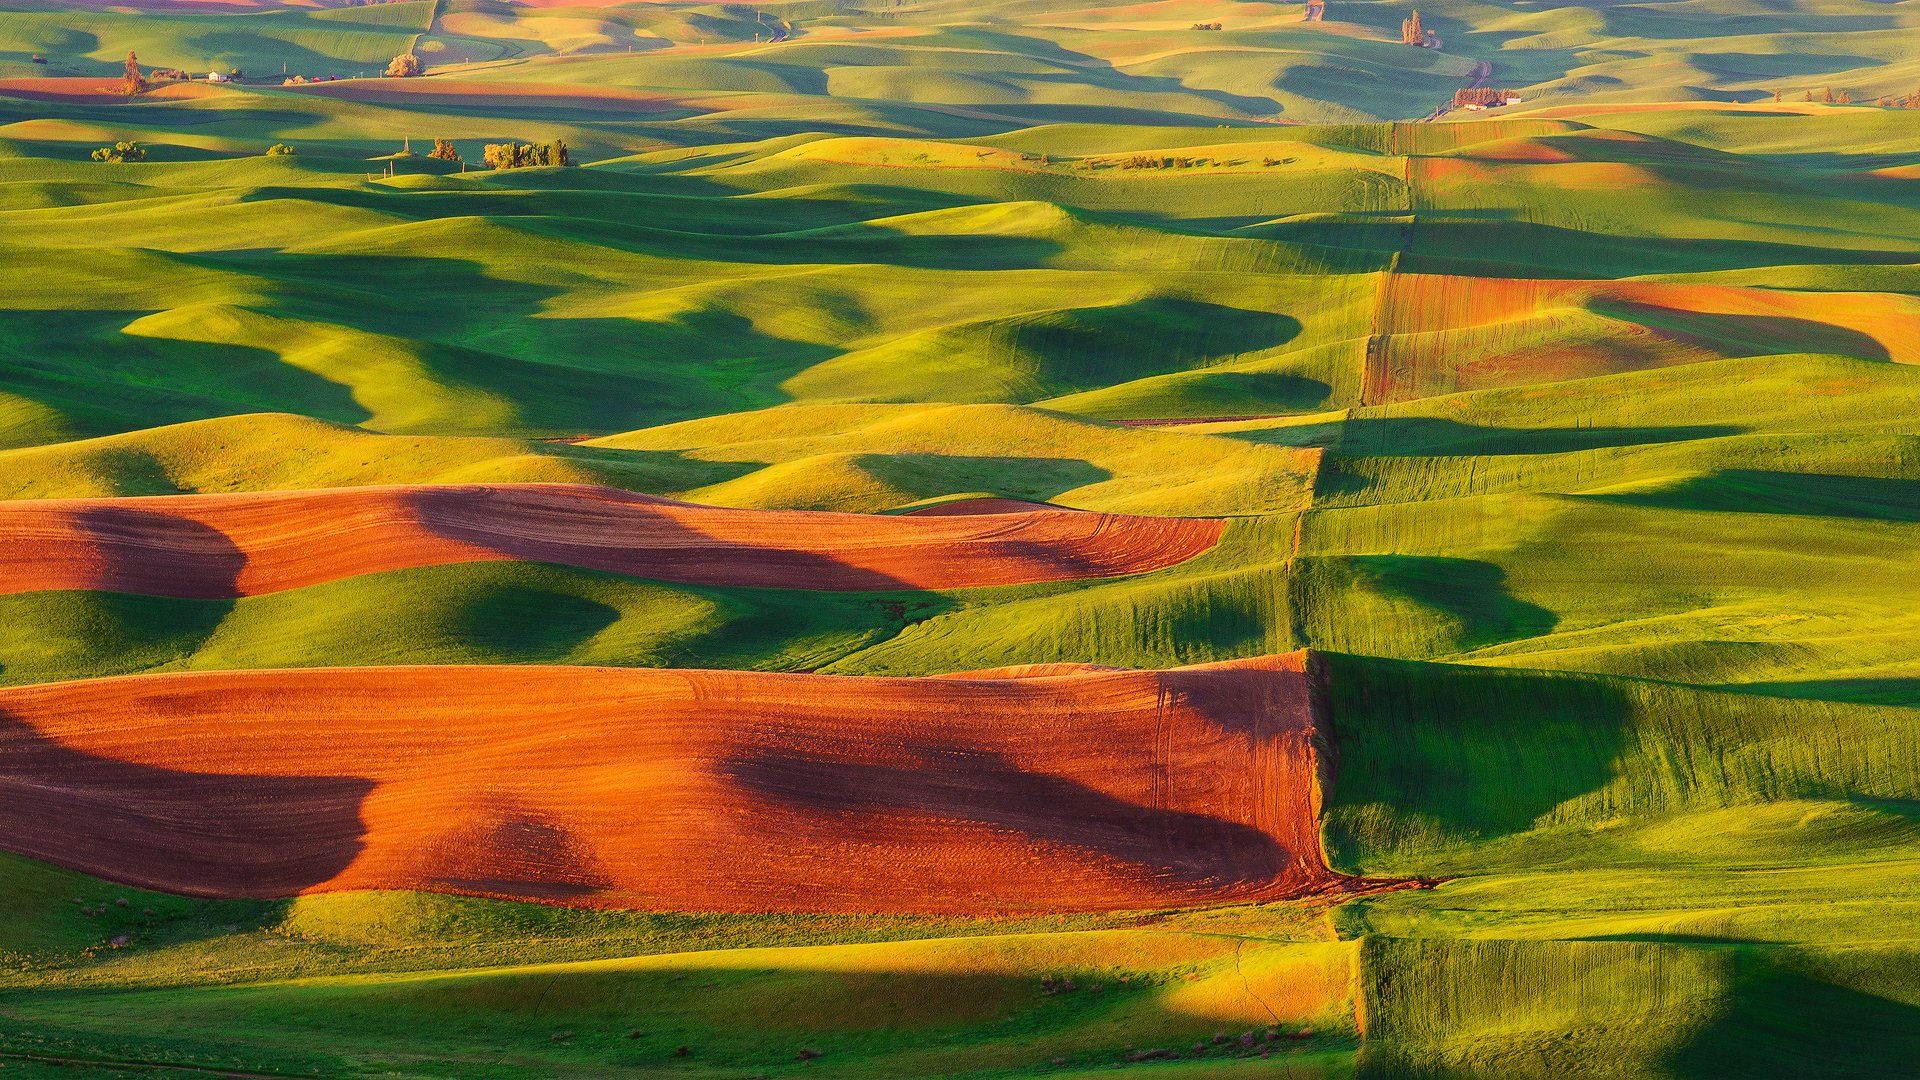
[(595, 538)]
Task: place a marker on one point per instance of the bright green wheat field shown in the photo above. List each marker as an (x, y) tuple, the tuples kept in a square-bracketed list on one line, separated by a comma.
[(1618, 589)]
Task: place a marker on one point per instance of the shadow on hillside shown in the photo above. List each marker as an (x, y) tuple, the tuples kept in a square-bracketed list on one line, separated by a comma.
[(646, 470), (628, 536), (132, 549), (101, 379), (930, 475), (1778, 1022), (163, 828), (688, 226), (1495, 244), (1747, 335), (924, 1010), (490, 330), (1425, 436), (85, 634), (1471, 594), (1754, 491), (1433, 754), (528, 624), (1894, 690), (971, 787)]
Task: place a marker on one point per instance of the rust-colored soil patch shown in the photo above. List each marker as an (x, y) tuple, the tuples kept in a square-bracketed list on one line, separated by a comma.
[(218, 546), (92, 91), (680, 790)]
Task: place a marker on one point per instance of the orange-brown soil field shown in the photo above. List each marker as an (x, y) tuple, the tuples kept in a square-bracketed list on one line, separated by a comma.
[(681, 790), (1438, 334), (220, 546)]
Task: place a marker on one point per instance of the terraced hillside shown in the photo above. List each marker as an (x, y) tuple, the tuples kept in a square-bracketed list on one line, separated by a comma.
[(960, 540)]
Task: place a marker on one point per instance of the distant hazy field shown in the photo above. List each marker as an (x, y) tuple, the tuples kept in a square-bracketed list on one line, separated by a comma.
[(1527, 497)]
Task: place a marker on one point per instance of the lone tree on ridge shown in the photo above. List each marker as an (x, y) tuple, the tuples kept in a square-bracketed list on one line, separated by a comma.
[(404, 66), (133, 82)]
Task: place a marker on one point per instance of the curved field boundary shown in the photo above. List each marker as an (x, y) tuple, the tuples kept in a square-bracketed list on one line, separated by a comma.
[(991, 504), (222, 546), (680, 790)]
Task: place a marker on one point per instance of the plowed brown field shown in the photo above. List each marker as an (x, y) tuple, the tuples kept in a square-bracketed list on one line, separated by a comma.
[(217, 546), (683, 790)]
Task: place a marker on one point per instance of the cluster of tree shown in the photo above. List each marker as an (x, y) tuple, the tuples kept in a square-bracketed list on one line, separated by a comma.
[(1827, 95), (124, 150), (405, 66), (444, 150), (1208, 26), (524, 155), (1480, 95), (1831, 96), (1158, 161), (280, 149)]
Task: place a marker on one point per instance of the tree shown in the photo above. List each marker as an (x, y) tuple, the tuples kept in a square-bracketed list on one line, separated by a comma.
[(124, 150), (1828, 97), (444, 150), (1411, 32), (280, 149), (133, 82), (1776, 95), (404, 66), (1845, 97)]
